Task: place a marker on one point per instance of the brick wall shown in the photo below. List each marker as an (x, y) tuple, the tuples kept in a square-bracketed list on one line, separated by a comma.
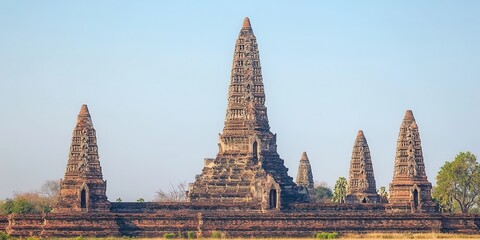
[(247, 223)]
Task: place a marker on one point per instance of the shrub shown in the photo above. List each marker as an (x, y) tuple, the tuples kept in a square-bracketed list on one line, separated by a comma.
[(216, 234), (333, 235), (4, 236), (327, 235), (322, 235), (169, 235), (191, 235)]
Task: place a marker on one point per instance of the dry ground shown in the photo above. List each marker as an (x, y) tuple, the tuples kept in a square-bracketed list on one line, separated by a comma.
[(350, 236), (390, 236)]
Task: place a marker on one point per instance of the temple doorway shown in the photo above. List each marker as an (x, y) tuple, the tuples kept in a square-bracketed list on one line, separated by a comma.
[(83, 199), (415, 199), (273, 199)]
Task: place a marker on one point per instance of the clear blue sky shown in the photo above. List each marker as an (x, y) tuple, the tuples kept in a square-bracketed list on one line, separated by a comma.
[(155, 76)]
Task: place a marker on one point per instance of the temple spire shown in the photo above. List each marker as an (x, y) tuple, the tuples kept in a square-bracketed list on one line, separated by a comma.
[(361, 181), (410, 189), (83, 188), (246, 97), (247, 168), (409, 157), (304, 175)]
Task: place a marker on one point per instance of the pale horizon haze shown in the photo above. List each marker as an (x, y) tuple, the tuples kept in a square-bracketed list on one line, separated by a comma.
[(155, 77)]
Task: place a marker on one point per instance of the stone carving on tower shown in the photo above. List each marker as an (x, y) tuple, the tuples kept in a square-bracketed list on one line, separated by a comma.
[(361, 180), (83, 188), (305, 176), (247, 168), (410, 189)]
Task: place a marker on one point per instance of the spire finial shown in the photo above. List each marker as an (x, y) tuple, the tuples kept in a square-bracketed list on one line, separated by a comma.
[(304, 156), (246, 23), (409, 115), (84, 118), (360, 134), (84, 110), (304, 175)]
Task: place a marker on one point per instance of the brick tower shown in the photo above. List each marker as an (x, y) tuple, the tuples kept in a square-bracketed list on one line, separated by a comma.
[(361, 180), (83, 188), (410, 189), (304, 175), (247, 168)]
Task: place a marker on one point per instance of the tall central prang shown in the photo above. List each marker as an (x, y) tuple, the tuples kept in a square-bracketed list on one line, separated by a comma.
[(247, 167)]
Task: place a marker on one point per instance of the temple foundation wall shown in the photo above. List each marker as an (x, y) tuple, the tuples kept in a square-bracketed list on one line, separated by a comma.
[(231, 223)]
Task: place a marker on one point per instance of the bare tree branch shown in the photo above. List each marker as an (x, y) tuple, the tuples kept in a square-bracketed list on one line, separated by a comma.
[(175, 193)]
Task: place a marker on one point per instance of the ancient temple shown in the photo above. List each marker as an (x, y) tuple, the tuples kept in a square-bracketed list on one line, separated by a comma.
[(410, 189), (361, 180), (304, 175), (83, 188), (247, 168)]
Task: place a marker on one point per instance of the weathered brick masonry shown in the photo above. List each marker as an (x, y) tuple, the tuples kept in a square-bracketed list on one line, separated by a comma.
[(245, 190), (233, 223)]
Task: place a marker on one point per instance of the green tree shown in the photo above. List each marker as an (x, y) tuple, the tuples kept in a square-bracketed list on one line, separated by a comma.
[(322, 193), (340, 190), (22, 205), (383, 194), (118, 200), (33, 202), (140, 200), (4, 236), (445, 204), (458, 183), (27, 203), (18, 206), (7, 206)]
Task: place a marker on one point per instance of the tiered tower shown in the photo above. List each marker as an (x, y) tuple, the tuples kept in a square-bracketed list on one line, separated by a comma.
[(410, 189), (361, 181), (247, 167), (304, 175), (83, 188)]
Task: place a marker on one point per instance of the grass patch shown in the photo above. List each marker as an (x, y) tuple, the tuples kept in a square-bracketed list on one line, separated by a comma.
[(217, 234), (408, 236), (191, 235), (32, 238), (326, 235), (169, 235), (4, 236)]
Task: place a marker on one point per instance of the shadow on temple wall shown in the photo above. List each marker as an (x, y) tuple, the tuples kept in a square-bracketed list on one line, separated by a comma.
[(127, 227)]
